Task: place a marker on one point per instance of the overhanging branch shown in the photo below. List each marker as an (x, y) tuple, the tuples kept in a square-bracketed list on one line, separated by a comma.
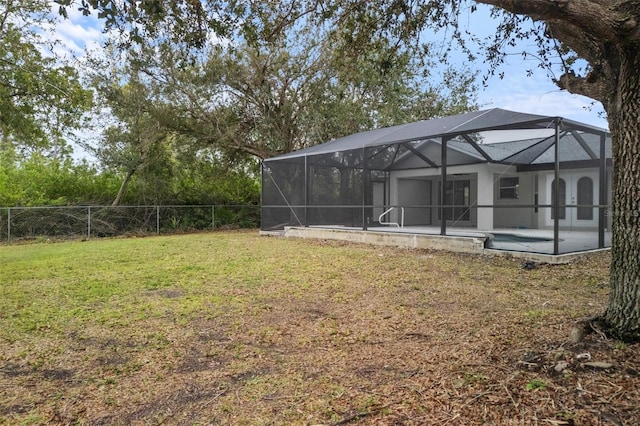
[(591, 86), (608, 22)]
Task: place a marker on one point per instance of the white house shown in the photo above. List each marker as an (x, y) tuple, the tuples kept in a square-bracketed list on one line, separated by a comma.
[(490, 194), (485, 170)]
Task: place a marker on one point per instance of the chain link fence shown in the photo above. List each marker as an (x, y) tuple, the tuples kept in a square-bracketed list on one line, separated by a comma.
[(27, 223)]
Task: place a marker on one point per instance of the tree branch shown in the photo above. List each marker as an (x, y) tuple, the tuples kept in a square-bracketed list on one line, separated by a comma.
[(592, 86), (597, 30), (599, 82), (590, 16)]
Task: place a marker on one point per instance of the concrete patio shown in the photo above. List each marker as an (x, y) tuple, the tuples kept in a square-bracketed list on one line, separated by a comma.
[(529, 244)]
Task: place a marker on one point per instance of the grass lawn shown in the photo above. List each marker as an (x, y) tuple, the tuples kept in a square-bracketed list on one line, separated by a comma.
[(233, 328)]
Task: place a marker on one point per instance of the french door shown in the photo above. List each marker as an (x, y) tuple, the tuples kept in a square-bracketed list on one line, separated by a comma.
[(577, 193)]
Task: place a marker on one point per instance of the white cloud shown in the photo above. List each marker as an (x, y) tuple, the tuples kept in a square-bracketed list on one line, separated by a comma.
[(554, 104), (538, 95), (75, 34), (535, 94), (76, 37)]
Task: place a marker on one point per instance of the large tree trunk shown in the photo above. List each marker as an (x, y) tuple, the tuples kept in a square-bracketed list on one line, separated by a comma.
[(623, 311), (607, 35)]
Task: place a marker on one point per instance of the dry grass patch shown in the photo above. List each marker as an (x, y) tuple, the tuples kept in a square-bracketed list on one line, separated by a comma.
[(232, 328)]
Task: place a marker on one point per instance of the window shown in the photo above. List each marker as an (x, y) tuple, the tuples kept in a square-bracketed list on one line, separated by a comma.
[(509, 187), (458, 199), (585, 198)]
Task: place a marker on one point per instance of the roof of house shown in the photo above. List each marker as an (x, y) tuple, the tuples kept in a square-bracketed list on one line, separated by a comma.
[(465, 140)]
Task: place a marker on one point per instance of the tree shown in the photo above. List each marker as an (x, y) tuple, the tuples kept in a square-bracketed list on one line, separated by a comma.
[(38, 180), (606, 34), (41, 100), (186, 22), (156, 163), (286, 86), (136, 142)]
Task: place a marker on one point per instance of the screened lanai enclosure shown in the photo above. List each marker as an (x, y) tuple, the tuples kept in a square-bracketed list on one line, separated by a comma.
[(523, 182)]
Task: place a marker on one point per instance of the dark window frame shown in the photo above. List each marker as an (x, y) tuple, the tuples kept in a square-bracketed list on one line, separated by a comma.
[(508, 188)]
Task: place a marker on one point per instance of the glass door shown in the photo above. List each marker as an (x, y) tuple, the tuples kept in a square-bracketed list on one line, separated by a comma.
[(457, 198)]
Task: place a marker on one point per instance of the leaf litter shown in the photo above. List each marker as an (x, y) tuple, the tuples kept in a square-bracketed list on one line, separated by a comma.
[(329, 333)]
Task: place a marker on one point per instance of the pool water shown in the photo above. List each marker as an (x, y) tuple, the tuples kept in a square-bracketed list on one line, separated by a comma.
[(513, 238)]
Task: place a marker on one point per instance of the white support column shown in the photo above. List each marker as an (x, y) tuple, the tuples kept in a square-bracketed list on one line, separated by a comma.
[(485, 197)]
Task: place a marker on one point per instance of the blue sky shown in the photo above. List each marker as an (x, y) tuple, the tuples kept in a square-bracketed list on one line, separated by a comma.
[(534, 94), (537, 94)]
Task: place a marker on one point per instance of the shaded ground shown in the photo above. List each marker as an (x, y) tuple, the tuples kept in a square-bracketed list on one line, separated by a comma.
[(332, 333)]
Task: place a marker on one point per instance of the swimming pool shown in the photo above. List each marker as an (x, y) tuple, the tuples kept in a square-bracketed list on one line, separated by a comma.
[(515, 238)]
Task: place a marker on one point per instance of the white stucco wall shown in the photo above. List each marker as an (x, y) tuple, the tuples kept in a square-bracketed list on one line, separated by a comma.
[(411, 187), (514, 217), (401, 188)]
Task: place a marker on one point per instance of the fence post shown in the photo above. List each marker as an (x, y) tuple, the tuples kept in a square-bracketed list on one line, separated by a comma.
[(8, 224), (213, 217), (157, 219), (88, 222)]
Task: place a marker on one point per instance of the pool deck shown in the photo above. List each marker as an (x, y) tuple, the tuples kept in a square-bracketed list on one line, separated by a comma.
[(572, 244)]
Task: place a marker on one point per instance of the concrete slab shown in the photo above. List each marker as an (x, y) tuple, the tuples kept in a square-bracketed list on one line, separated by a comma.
[(539, 249)]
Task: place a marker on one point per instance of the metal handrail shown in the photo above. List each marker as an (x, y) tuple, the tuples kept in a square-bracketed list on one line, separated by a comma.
[(389, 210)]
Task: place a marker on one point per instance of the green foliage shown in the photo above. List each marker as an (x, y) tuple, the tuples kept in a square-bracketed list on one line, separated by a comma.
[(285, 84), (41, 99), (41, 181), (536, 384), (620, 345), (158, 165), (189, 22), (210, 183)]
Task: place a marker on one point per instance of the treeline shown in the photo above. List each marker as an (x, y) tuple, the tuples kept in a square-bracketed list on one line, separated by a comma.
[(41, 181), (174, 121)]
